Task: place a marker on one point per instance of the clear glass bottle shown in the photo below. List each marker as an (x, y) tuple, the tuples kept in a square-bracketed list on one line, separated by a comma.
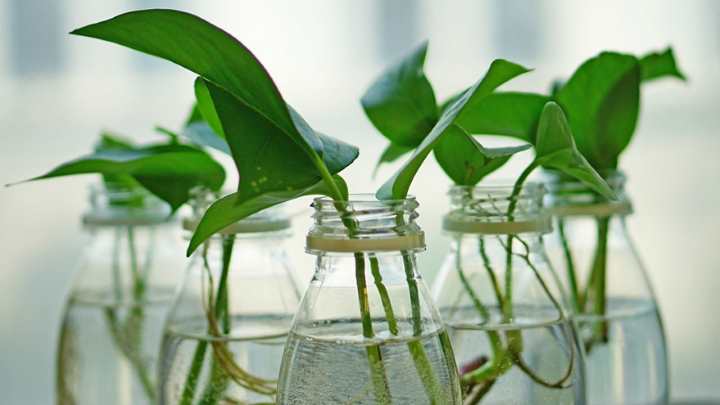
[(502, 302), (112, 327), (225, 333), (609, 293), (367, 331)]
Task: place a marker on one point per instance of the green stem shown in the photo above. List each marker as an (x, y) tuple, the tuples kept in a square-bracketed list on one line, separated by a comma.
[(221, 301), (379, 381), (384, 296), (218, 377), (598, 280), (577, 300)]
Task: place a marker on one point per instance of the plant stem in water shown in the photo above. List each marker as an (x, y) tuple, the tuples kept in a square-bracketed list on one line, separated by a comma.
[(598, 283), (377, 369), (577, 300)]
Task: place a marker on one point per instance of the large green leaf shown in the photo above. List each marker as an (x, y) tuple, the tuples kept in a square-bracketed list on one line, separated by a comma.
[(555, 148), (266, 158), (210, 52), (466, 161), (227, 210), (660, 64), (500, 71), (168, 171), (401, 102), (505, 113), (602, 101)]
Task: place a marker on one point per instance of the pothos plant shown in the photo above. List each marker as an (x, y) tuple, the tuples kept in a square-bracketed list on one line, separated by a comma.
[(278, 156), (402, 106), (601, 100), (167, 170)]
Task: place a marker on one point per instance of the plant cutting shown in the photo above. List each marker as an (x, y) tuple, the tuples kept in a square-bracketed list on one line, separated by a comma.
[(401, 104), (608, 287), (279, 157), (126, 274)]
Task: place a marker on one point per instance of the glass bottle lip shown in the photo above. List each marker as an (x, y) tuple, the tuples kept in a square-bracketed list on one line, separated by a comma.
[(269, 220), (486, 209), (362, 223), (117, 206), (569, 197)]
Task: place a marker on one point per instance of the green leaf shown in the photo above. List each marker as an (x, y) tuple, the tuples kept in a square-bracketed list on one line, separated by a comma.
[(207, 109), (466, 161), (392, 153), (109, 141), (194, 116), (210, 52), (266, 158), (401, 102), (555, 148), (500, 71), (227, 210), (168, 171), (201, 134), (660, 64), (602, 101), (505, 113)]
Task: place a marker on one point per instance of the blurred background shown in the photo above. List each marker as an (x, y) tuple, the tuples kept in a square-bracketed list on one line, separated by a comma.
[(57, 92)]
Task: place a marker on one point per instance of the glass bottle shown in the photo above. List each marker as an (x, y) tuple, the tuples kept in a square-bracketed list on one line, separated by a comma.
[(225, 333), (501, 300), (112, 326), (610, 295), (367, 331)]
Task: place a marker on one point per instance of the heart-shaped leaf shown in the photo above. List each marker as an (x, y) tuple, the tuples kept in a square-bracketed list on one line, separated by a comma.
[(602, 101), (227, 210), (401, 102), (167, 171), (266, 158), (555, 148), (660, 64), (466, 161), (213, 54), (500, 71)]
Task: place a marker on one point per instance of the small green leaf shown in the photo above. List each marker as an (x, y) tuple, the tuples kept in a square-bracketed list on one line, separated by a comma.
[(555, 148), (602, 101), (109, 141), (660, 64), (500, 71), (392, 153), (168, 171), (401, 102), (227, 210), (266, 158), (466, 161), (207, 109), (201, 134), (505, 113)]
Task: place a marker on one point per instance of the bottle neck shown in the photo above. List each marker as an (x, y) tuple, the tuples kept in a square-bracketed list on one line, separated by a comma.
[(498, 210), (119, 206), (364, 225), (568, 198)]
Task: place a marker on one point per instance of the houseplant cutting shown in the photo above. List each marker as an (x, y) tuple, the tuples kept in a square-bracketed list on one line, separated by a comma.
[(279, 158), (112, 323), (609, 290), (401, 104)]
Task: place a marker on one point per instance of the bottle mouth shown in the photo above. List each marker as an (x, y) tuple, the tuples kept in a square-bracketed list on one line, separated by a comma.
[(569, 197), (499, 208), (115, 205), (272, 219), (363, 223)]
